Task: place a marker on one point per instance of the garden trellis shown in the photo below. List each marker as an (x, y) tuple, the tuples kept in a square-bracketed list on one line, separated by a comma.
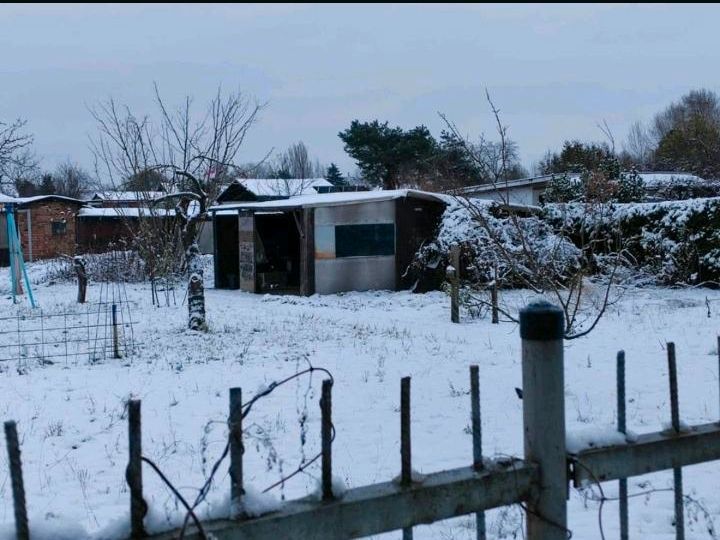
[(538, 481)]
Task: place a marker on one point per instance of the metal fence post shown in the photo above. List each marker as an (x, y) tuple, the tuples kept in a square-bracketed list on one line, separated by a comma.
[(475, 419), (134, 470), (116, 339), (22, 530), (236, 452), (455, 284), (405, 444), (542, 329), (622, 428), (326, 434), (677, 471)]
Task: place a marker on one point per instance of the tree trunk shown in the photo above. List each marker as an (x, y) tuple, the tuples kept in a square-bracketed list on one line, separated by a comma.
[(196, 290), (79, 264)]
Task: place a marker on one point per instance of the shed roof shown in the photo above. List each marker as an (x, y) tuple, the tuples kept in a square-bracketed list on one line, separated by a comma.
[(126, 195), (123, 212), (24, 201), (330, 199), (277, 187)]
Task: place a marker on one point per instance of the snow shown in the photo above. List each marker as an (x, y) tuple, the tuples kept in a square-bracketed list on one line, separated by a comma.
[(331, 199), (268, 187), (593, 437), (123, 212), (74, 472), (127, 195)]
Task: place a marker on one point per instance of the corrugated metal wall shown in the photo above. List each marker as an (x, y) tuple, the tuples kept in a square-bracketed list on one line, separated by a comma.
[(351, 273)]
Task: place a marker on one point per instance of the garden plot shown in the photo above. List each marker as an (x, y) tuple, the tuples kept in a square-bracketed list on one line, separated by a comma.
[(73, 427)]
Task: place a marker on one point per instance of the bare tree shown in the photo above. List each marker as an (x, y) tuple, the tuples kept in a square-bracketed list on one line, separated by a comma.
[(639, 145), (16, 158), (195, 152), (541, 271), (71, 180)]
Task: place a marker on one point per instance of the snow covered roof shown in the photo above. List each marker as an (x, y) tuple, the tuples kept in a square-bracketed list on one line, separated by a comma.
[(330, 199), (122, 212), (126, 195), (278, 187), (37, 198), (651, 179)]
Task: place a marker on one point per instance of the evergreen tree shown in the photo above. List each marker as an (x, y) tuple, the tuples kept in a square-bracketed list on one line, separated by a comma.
[(47, 185), (631, 187), (334, 176), (389, 156), (562, 189)]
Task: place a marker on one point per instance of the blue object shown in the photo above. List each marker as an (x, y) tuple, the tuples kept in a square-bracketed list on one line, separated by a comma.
[(16, 256)]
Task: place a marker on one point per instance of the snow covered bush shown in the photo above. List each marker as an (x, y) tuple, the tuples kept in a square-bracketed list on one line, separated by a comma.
[(531, 243), (675, 242)]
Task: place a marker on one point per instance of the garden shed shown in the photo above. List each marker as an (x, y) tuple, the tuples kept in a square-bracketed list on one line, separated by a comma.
[(324, 243)]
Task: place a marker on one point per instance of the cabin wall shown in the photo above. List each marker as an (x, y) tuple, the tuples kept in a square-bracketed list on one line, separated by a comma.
[(335, 273)]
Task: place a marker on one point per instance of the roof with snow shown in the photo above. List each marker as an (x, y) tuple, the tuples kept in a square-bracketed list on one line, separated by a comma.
[(329, 199), (23, 201), (276, 188), (651, 180), (126, 195), (123, 212)]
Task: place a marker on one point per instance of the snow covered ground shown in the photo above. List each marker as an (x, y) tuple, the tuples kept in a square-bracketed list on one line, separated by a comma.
[(73, 429)]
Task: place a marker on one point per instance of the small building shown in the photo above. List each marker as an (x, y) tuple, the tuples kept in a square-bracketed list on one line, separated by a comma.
[(47, 226), (124, 199), (323, 244), (529, 191), (270, 189)]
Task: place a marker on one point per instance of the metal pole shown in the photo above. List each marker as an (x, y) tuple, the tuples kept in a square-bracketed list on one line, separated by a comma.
[(326, 433), (18, 488), (494, 296), (542, 330), (477, 439), (134, 470), (116, 341), (622, 428), (455, 284), (236, 452), (677, 471), (405, 443)]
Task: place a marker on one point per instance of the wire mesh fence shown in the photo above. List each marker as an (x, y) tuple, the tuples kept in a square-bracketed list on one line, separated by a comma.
[(96, 332)]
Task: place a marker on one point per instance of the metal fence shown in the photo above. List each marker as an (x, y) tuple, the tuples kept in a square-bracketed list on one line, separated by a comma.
[(538, 481), (95, 331)]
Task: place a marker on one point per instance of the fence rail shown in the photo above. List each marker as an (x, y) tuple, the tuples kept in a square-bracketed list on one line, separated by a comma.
[(538, 482)]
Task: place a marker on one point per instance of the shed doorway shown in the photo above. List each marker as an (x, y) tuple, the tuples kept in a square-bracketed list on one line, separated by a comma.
[(277, 253), (227, 252)]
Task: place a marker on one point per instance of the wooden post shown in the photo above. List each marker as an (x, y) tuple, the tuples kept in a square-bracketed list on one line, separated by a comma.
[(677, 471), (236, 452), (326, 433), (494, 296), (622, 428), (477, 440), (79, 264), (116, 337), (542, 330), (22, 530), (134, 470), (454, 276), (405, 443)]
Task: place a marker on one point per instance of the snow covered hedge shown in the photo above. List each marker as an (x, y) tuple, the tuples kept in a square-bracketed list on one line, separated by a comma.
[(673, 241), (664, 243), (478, 228)]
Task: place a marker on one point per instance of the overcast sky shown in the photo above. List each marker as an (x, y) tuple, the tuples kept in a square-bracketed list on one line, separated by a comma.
[(555, 71)]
